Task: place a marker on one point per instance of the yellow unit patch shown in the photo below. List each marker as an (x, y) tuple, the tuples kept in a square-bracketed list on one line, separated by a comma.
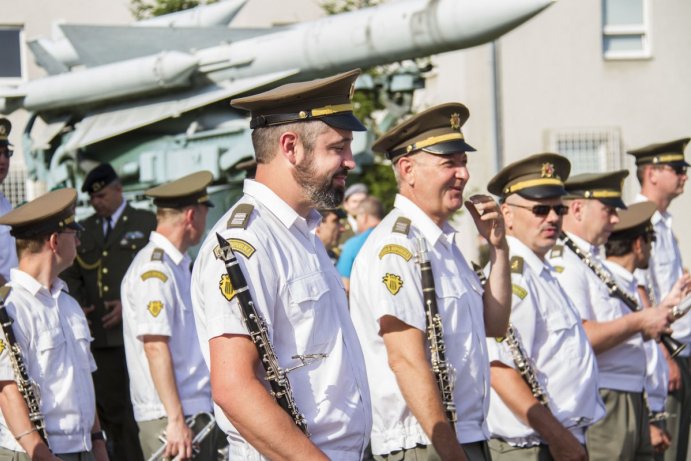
[(238, 246), (519, 291), (559, 269), (393, 283), (2, 346), (394, 249), (156, 275), (226, 287), (155, 307)]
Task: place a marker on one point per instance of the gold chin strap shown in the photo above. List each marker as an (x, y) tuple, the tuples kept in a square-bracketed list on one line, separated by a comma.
[(665, 158), (326, 110), (532, 183), (602, 194)]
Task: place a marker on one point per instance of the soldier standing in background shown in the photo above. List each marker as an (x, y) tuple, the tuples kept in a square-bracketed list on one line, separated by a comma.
[(544, 372), (8, 252), (413, 418), (112, 237), (661, 172), (56, 420)]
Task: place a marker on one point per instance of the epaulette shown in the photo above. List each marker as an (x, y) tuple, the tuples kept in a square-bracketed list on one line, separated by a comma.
[(4, 292), (157, 254), (240, 216), (557, 251), (402, 225), (516, 265)]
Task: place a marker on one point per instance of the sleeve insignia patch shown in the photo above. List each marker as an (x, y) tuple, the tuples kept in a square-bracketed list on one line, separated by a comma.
[(239, 246), (393, 283), (2, 346), (155, 275), (157, 254), (500, 339), (517, 265), (402, 225), (155, 307), (226, 287), (519, 291), (559, 269), (557, 251), (394, 249), (240, 217)]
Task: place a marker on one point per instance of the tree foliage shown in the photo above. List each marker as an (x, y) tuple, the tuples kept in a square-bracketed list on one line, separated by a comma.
[(145, 9)]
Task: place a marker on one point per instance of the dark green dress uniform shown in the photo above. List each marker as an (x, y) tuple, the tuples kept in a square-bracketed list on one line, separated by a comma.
[(94, 278)]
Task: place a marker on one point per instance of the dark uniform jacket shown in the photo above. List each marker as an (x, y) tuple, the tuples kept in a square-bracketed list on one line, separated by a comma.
[(100, 266)]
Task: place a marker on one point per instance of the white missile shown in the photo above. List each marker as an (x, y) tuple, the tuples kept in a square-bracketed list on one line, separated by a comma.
[(112, 81)]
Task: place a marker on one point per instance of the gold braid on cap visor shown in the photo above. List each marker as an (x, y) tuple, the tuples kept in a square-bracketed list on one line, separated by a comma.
[(431, 141)]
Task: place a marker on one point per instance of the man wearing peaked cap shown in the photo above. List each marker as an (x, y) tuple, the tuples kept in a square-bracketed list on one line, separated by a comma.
[(413, 415), (49, 328), (111, 238), (542, 400), (169, 381), (8, 254), (615, 332), (661, 172), (302, 134), (628, 249)]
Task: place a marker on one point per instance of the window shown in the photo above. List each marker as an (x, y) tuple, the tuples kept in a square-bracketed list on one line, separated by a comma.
[(12, 68), (625, 33), (590, 150)]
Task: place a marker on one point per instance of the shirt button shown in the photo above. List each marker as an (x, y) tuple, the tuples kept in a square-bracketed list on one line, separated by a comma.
[(105, 288), (105, 270), (105, 253)]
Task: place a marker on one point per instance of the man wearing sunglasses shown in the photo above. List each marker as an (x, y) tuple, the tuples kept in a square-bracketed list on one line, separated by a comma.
[(615, 332), (661, 172), (8, 253), (544, 374)]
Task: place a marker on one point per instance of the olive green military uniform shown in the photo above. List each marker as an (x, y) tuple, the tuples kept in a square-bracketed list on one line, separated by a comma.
[(94, 278)]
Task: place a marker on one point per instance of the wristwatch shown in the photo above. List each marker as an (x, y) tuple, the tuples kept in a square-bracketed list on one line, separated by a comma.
[(100, 435)]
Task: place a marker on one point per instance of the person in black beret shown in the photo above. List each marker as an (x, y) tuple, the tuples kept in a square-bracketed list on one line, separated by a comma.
[(53, 417), (8, 254), (112, 237)]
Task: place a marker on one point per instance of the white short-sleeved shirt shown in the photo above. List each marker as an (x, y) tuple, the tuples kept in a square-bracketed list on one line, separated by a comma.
[(665, 268), (386, 281), (53, 335), (657, 376), (552, 335), (296, 288), (621, 368), (8, 248), (156, 300)]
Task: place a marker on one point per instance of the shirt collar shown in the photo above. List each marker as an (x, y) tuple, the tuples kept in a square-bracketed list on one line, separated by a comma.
[(665, 217), (162, 242), (619, 271), (33, 286), (584, 245), (533, 261), (428, 228), (276, 205), (116, 215)]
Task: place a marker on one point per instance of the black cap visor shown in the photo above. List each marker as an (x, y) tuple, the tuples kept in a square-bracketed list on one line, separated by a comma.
[(542, 192), (614, 202), (449, 147), (343, 121)]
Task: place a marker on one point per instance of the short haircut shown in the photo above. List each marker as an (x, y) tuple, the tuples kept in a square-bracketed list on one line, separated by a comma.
[(372, 206), (616, 247), (31, 245), (265, 139)]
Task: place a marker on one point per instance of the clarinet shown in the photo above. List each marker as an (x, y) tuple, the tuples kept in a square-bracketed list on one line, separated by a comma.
[(523, 364), (27, 387), (435, 335), (672, 345), (277, 377)]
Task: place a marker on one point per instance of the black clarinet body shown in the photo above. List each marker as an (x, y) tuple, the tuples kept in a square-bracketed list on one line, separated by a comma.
[(27, 388), (277, 377), (441, 368)]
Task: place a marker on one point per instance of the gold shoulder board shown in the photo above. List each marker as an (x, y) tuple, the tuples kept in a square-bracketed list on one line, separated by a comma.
[(402, 225), (557, 251), (516, 265), (157, 254), (240, 217)]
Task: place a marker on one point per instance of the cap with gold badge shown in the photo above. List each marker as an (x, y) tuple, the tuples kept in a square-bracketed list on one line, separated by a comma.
[(186, 191), (326, 99), (5, 129), (51, 212), (605, 187), (436, 130), (98, 178), (634, 221), (671, 153), (535, 177)]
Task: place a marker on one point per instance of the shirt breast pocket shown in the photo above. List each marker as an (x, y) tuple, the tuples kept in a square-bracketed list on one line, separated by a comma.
[(83, 340), (453, 308), (50, 347), (309, 312)]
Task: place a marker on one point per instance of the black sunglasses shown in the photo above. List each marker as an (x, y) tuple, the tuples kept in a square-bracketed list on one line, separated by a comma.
[(6, 151), (543, 210), (678, 169)]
